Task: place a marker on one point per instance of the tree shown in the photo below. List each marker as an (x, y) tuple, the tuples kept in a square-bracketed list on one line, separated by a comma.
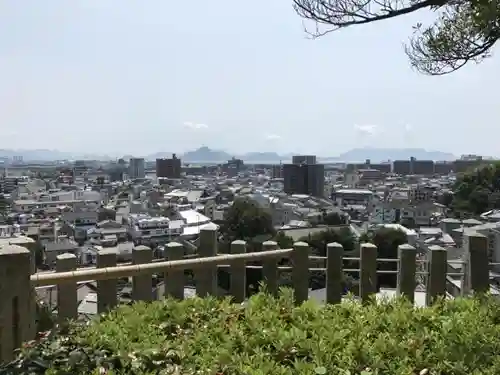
[(465, 30), (446, 198), (283, 241), (332, 218), (477, 191), (387, 241), (318, 242), (245, 219)]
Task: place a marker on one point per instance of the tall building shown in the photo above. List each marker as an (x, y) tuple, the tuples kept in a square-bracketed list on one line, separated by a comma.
[(169, 168), (277, 171), (303, 178), (136, 168)]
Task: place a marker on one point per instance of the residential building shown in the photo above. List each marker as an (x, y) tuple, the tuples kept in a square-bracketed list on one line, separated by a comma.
[(136, 168), (168, 168), (145, 229), (402, 167), (302, 178), (345, 197), (233, 166), (422, 167), (277, 171), (443, 167)]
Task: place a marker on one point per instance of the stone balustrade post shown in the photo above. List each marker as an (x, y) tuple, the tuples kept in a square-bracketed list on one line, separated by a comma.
[(270, 269), (206, 276), (238, 272), (436, 281), (142, 285), (67, 299), (300, 271), (107, 293), (368, 271), (334, 274), (174, 279), (407, 283), (17, 318)]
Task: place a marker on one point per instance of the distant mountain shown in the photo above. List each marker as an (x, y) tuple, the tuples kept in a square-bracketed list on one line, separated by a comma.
[(257, 157), (384, 154), (204, 154), (207, 155)]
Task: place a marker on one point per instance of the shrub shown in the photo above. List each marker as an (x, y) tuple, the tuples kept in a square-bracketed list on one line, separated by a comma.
[(272, 336)]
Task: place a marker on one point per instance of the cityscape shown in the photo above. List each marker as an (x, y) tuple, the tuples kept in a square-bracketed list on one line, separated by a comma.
[(231, 188)]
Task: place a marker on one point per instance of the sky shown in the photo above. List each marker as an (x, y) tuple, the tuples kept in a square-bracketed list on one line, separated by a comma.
[(137, 77)]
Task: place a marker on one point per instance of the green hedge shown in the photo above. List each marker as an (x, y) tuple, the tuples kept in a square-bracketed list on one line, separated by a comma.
[(271, 336)]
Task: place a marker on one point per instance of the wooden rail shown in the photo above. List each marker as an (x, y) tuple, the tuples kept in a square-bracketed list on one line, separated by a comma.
[(17, 313)]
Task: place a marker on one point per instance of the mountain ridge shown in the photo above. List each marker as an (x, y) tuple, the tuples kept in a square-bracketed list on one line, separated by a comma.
[(206, 154)]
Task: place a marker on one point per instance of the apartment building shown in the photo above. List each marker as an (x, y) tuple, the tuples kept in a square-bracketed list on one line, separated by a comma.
[(402, 167), (145, 229), (344, 197), (302, 178), (168, 168), (136, 168)]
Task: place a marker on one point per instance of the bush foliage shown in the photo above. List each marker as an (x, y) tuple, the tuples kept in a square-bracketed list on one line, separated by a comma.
[(272, 336)]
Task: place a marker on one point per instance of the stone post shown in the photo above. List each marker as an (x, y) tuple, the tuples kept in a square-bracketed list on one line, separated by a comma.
[(107, 294), (142, 285), (300, 271), (270, 269), (174, 279), (334, 274), (407, 255), (238, 272), (17, 318), (479, 270), (67, 299), (368, 271), (436, 281), (206, 276)]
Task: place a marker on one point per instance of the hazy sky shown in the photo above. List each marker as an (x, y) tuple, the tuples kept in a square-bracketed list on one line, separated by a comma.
[(135, 76)]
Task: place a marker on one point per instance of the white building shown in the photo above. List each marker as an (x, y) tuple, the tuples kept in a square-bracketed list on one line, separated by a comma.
[(353, 197), (144, 228)]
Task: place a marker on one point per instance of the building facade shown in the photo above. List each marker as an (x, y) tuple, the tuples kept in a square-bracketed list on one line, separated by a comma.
[(168, 168), (303, 178), (136, 168)]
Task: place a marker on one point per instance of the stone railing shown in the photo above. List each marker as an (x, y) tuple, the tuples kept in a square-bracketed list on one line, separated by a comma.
[(17, 281)]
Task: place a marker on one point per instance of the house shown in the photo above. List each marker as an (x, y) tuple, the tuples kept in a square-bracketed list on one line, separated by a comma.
[(61, 245), (78, 223), (105, 229)]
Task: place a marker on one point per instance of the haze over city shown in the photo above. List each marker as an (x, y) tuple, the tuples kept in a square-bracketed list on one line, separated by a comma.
[(140, 77)]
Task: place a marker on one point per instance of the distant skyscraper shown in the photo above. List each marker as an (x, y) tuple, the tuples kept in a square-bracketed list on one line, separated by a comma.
[(136, 168)]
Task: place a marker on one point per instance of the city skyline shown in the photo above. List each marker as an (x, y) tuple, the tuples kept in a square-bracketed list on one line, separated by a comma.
[(126, 77)]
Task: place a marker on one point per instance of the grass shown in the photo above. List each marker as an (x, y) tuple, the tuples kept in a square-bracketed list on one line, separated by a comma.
[(272, 336)]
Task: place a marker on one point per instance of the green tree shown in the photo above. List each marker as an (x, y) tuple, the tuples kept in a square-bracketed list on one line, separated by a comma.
[(332, 218), (446, 198), (465, 30), (318, 242), (477, 191), (245, 220), (387, 241), (283, 241)]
